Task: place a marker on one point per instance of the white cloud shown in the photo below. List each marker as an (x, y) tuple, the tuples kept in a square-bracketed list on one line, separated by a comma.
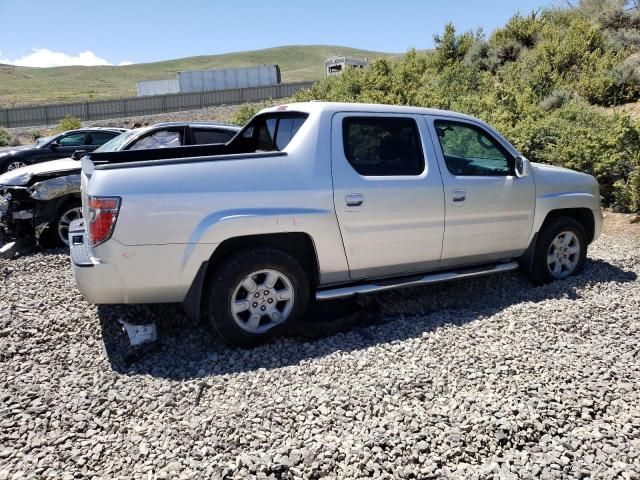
[(126, 62), (43, 57)]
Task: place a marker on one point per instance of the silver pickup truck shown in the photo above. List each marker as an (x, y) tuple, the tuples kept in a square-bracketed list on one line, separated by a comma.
[(322, 201)]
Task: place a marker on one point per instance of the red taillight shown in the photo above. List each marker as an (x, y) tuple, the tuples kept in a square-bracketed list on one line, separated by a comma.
[(103, 213)]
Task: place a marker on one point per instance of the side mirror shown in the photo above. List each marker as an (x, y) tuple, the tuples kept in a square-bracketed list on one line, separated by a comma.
[(54, 145), (523, 167), (78, 154)]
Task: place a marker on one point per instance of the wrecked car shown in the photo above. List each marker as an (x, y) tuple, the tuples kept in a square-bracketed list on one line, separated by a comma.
[(39, 202)]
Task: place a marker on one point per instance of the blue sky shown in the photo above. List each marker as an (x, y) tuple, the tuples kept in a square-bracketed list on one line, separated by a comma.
[(44, 32)]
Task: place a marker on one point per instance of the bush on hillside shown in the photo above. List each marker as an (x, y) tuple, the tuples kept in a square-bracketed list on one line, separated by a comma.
[(247, 111), (244, 114), (35, 134), (580, 137), (4, 137), (69, 123), (556, 99)]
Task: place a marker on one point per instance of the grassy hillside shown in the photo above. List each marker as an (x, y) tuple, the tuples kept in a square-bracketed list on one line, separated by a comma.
[(24, 85)]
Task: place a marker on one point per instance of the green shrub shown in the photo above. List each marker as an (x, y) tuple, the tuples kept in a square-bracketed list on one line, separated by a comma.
[(35, 134), (478, 56), (4, 138), (451, 47), (580, 137), (69, 123), (244, 114), (247, 111), (556, 99), (522, 30)]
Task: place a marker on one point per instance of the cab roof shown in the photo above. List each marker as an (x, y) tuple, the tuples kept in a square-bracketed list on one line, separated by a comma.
[(335, 107)]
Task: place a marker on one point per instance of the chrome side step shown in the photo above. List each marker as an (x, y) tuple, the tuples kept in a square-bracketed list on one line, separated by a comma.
[(393, 284)]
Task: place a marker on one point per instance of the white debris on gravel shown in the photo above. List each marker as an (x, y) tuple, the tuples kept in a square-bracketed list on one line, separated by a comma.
[(485, 378)]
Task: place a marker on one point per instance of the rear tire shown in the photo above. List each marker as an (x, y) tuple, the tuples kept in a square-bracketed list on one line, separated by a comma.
[(58, 227), (14, 164), (254, 294), (560, 251)]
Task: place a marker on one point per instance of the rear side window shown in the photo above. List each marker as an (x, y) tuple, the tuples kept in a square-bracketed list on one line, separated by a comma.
[(272, 132), (383, 146), (207, 136), (159, 139), (287, 128), (100, 138)]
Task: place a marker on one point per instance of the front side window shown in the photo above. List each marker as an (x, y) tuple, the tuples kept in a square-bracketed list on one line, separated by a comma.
[(207, 136), (72, 140), (383, 146), (470, 151), (159, 139)]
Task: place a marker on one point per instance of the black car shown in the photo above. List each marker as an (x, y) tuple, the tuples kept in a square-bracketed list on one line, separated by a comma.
[(59, 146)]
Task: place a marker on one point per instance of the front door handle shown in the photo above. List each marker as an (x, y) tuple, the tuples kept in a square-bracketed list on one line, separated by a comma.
[(458, 195), (355, 200)]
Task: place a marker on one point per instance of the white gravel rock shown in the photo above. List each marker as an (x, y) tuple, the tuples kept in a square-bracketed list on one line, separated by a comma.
[(485, 378)]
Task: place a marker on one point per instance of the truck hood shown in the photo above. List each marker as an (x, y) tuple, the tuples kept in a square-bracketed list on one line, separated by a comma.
[(22, 176), (550, 179)]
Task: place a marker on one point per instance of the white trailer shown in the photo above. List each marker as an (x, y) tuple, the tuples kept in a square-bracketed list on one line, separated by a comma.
[(228, 78), (157, 87)]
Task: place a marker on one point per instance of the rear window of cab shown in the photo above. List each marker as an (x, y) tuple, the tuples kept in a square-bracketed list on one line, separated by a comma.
[(272, 132)]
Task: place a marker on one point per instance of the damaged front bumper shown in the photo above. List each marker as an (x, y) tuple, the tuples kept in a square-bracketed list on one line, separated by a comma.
[(16, 213), (26, 211)]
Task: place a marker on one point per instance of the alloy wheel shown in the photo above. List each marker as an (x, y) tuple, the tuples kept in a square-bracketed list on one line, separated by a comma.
[(262, 300), (15, 164), (563, 255), (65, 221)]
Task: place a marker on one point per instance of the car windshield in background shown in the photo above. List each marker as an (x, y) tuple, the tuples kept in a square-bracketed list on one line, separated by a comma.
[(42, 140), (116, 143)]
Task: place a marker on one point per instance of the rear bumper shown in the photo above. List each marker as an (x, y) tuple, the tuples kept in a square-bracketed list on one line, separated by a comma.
[(97, 281), (117, 273)]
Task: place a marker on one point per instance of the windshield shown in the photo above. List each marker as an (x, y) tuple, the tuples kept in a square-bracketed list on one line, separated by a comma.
[(42, 140), (116, 143)]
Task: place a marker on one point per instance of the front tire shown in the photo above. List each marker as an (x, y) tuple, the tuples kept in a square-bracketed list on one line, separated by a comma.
[(70, 211), (254, 294), (560, 252)]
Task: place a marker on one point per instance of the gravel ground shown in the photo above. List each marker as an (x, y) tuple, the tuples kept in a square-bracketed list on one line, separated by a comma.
[(485, 378)]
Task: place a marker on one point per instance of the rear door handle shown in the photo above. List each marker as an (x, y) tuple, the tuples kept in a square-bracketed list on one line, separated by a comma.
[(354, 200), (458, 195)]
